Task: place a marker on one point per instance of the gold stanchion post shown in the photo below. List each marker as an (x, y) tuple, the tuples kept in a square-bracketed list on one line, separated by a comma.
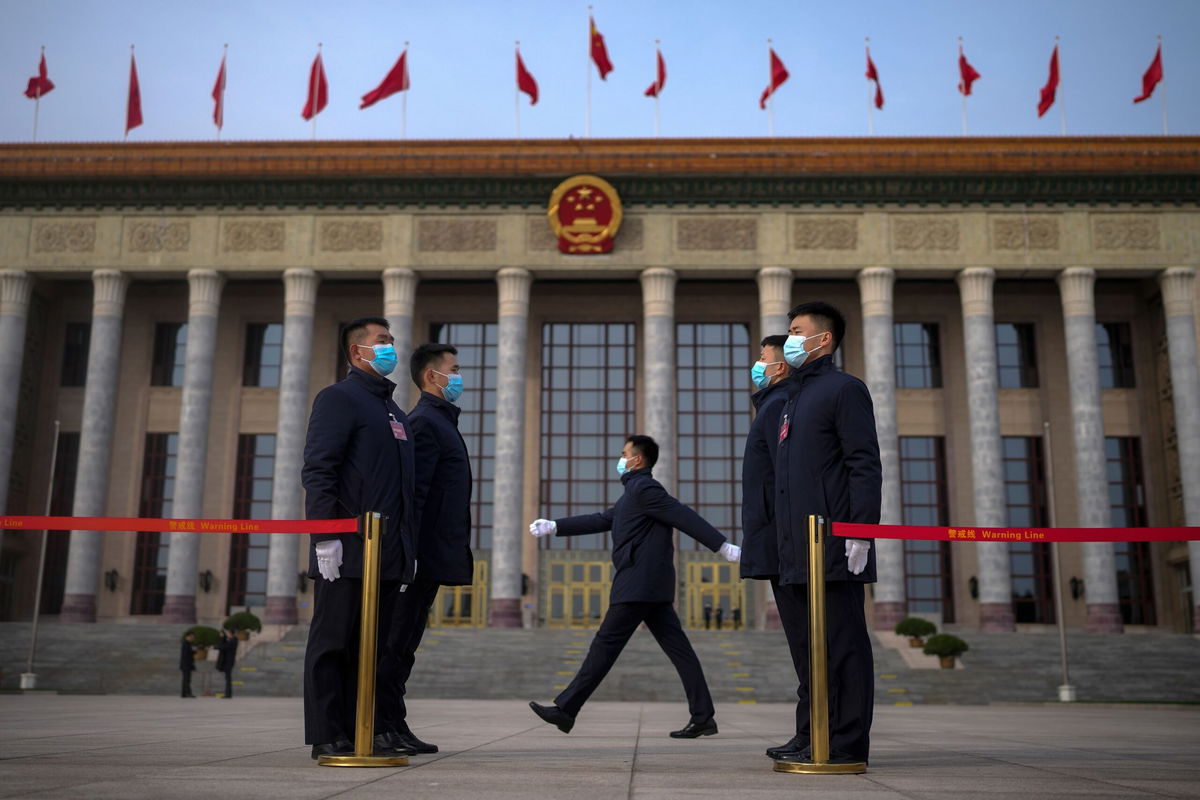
[(371, 526), (818, 667)]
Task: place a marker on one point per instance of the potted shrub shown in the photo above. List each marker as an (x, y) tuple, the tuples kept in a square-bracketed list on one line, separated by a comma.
[(242, 623), (946, 647), (206, 637), (916, 629)]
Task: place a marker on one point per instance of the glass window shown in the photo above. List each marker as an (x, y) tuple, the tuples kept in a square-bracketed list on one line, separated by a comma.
[(75, 353), (264, 354), (714, 414), (1016, 357), (158, 494), (252, 487), (578, 470), (928, 580), (1025, 501), (170, 354), (918, 356), (1127, 503), (1115, 355)]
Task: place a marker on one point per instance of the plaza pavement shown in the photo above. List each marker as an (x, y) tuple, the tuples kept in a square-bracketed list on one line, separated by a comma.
[(133, 747)]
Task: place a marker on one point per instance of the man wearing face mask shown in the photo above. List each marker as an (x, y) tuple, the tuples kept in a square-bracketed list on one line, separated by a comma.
[(827, 463), (443, 512), (643, 588), (760, 553), (358, 457)]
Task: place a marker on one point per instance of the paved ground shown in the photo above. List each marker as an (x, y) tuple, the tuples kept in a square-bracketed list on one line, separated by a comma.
[(163, 747)]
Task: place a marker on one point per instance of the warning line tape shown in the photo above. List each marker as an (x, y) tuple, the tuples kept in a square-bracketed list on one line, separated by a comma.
[(856, 530), (179, 525)]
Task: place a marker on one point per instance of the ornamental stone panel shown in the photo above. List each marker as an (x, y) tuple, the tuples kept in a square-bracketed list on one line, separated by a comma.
[(825, 234), (257, 236), (172, 236), (716, 233), (924, 233), (53, 236), (348, 235), (1125, 232), (456, 235), (1025, 233)]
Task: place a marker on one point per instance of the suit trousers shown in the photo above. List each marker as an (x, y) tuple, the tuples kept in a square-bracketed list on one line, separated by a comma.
[(186, 689), (851, 664), (228, 682), (404, 636), (619, 624), (331, 658)]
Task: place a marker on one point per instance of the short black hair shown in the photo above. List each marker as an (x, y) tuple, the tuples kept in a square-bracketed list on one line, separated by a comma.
[(778, 340), (826, 316), (645, 446), (352, 329), (424, 357)]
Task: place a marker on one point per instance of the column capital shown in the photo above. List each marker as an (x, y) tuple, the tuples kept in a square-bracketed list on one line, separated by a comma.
[(1178, 286), (109, 297), (204, 292), (513, 285), (658, 291), (300, 291), (876, 286), (15, 288), (975, 286), (1077, 286), (399, 291)]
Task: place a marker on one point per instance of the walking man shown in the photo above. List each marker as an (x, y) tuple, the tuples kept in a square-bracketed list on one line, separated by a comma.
[(187, 663), (226, 656), (643, 589)]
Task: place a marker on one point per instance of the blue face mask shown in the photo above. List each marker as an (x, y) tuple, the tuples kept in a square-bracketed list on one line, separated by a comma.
[(793, 350), (385, 358), (758, 373), (453, 388), (622, 465)]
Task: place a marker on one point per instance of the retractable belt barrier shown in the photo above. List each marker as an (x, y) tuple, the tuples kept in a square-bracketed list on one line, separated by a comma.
[(131, 524), (854, 530)]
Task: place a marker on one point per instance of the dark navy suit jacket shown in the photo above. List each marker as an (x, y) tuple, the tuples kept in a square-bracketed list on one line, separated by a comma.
[(760, 550), (643, 549), (443, 492)]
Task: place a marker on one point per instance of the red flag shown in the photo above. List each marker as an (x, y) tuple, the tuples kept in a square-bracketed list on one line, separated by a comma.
[(133, 105), (779, 74), (967, 74), (39, 85), (218, 96), (599, 52), (873, 75), (318, 89), (1149, 80), (660, 80), (396, 81), (1051, 86), (525, 81)]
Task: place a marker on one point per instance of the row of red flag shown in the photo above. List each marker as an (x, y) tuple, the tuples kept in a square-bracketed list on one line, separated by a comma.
[(397, 80)]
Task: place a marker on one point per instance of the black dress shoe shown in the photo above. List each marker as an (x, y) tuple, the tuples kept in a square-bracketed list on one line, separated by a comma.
[(554, 715), (342, 747), (694, 730), (386, 744), (794, 747), (408, 740)]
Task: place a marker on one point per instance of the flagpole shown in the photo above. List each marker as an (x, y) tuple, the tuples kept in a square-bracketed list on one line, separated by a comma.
[(870, 97), (1062, 111), (960, 87), (404, 100), (315, 82), (517, 93), (771, 96), (1162, 89), (127, 97), (224, 54), (37, 99), (587, 116), (657, 129)]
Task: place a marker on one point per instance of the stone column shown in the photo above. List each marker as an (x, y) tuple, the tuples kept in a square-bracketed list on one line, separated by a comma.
[(875, 285), (987, 467), (15, 288), (95, 443), (658, 370), (508, 525), (300, 300), (399, 291), (774, 302), (1076, 285), (1178, 290), (204, 302)]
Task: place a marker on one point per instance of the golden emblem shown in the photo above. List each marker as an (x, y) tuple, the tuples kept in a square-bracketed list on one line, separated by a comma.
[(585, 213)]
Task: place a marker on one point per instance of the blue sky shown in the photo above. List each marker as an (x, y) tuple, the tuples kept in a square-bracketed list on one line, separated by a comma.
[(461, 64)]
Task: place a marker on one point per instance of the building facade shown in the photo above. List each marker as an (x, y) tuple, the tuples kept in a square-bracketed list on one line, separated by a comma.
[(1023, 311)]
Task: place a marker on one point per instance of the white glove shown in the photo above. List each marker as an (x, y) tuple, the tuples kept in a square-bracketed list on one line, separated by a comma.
[(731, 552), (856, 555), (329, 558), (543, 527)]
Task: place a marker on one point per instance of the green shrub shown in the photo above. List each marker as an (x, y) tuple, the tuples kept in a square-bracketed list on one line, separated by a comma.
[(945, 644), (243, 621), (205, 636), (915, 627)]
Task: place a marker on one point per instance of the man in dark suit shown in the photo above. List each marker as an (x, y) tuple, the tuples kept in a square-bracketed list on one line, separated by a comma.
[(226, 656), (643, 589), (358, 457), (827, 463), (187, 663), (443, 511)]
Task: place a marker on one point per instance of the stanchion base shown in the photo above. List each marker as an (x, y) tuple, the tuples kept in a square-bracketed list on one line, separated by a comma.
[(812, 768), (363, 761)]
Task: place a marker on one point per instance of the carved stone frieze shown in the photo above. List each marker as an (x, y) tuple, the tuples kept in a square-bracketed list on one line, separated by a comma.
[(154, 236), (456, 235), (75, 236), (1125, 232), (253, 236), (924, 233), (1021, 233), (716, 233), (345, 235), (825, 234)]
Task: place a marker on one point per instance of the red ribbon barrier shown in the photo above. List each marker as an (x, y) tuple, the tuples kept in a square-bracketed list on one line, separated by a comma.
[(181, 525), (855, 530)]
